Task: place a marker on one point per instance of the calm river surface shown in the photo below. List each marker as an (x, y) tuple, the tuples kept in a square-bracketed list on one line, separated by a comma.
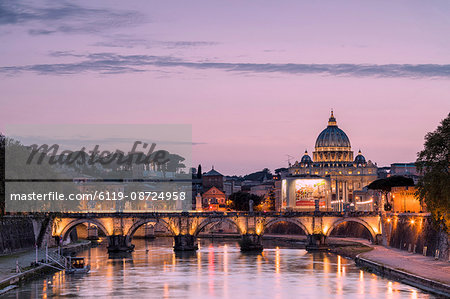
[(217, 270)]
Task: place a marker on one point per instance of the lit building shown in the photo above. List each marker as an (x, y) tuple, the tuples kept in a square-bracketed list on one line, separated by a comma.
[(330, 177), (403, 199), (214, 200), (367, 200)]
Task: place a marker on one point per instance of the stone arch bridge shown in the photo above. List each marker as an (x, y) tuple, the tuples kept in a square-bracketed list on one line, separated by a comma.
[(185, 226)]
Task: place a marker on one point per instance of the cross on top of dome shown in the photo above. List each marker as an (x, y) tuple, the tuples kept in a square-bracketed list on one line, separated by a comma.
[(332, 120)]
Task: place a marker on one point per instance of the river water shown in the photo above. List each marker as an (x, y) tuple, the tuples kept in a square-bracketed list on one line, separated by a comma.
[(217, 270)]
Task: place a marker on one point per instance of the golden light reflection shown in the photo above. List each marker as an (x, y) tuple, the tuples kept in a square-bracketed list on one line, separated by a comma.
[(326, 272), (259, 263), (199, 262), (174, 261), (361, 282), (166, 290), (211, 269), (277, 260), (109, 274), (225, 258), (339, 266), (413, 294), (339, 286), (225, 270), (326, 264), (389, 287)]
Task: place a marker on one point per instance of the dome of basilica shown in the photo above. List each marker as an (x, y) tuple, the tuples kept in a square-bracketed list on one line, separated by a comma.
[(306, 158), (332, 136), (360, 159)]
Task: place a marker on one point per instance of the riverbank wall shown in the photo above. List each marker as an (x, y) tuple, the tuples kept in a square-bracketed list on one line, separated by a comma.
[(16, 234), (415, 232), (428, 285), (22, 232)]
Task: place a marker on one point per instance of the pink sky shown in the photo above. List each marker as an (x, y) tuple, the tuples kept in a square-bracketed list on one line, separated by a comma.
[(256, 82)]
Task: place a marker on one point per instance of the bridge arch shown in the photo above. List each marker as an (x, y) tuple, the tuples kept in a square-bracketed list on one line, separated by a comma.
[(357, 220), (289, 220), (209, 221), (136, 225), (76, 222)]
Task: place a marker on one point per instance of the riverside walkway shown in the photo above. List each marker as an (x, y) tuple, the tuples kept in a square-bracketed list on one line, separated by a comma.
[(413, 263), (25, 258), (8, 263)]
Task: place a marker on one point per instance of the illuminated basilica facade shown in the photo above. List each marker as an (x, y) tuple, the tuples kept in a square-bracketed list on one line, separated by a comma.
[(333, 160)]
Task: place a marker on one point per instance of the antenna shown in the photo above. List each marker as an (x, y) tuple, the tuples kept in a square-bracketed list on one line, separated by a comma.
[(289, 159)]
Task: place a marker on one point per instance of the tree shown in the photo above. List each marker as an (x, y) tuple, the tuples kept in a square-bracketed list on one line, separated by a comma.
[(260, 176), (199, 171), (433, 163), (2, 174), (385, 186), (271, 200), (174, 164), (280, 170), (240, 200)]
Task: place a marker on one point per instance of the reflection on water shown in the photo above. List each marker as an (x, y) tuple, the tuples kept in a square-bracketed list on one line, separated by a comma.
[(217, 269)]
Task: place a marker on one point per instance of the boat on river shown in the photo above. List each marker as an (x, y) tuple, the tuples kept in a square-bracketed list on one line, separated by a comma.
[(76, 265)]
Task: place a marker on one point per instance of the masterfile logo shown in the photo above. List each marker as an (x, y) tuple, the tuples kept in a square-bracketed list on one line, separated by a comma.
[(67, 168)]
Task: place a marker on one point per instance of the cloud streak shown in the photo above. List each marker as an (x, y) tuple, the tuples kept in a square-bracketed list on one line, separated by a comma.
[(109, 63), (64, 17), (127, 41)]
